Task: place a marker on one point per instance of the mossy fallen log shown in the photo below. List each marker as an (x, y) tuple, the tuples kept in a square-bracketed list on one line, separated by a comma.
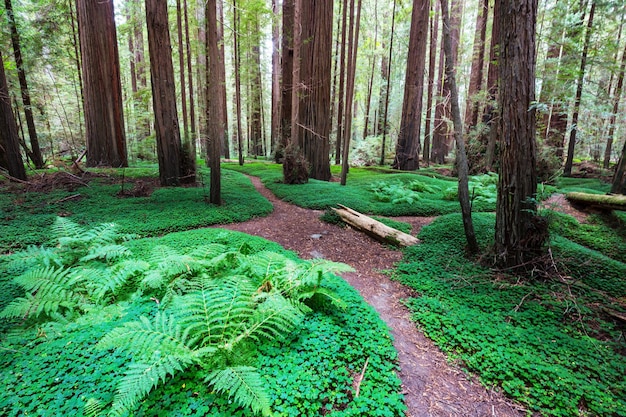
[(598, 201), (374, 228)]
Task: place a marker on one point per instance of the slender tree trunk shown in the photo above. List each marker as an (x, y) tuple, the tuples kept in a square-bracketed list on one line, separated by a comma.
[(617, 94), (80, 99), (201, 71), (255, 97), (10, 157), (518, 231), (461, 157), (215, 107), (335, 71), (490, 134), (237, 59), (296, 78), (222, 69), (342, 80), (432, 59), (104, 119), (192, 108), (353, 45), (567, 170), (163, 93), (370, 84), (478, 63), (385, 124), (21, 75), (275, 122), (408, 147)]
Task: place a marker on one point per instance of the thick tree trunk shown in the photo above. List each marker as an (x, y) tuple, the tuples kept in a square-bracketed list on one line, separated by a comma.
[(10, 157), (35, 152), (432, 58), (215, 114), (619, 178), (163, 93), (517, 237), (408, 147), (275, 123), (567, 170), (598, 201), (255, 116), (617, 95), (490, 134), (192, 108), (104, 119), (314, 104), (286, 89), (461, 157), (222, 70), (374, 228)]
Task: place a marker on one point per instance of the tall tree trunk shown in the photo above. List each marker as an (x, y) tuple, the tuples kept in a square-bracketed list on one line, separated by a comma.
[(617, 94), (432, 58), (314, 102), (567, 170), (516, 225), (489, 135), (287, 86), (237, 70), (342, 82), (461, 157), (10, 157), (275, 122), (442, 135), (353, 45), (215, 108), (478, 63), (104, 119), (370, 84), (255, 97), (192, 108), (80, 99), (222, 69), (21, 75), (386, 65), (163, 93), (335, 71), (201, 71), (619, 178), (408, 147)]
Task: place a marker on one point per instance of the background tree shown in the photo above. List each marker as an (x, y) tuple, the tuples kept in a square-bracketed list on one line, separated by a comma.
[(35, 152), (517, 227), (104, 119), (314, 102), (408, 146), (616, 99), (10, 157), (163, 93), (215, 115)]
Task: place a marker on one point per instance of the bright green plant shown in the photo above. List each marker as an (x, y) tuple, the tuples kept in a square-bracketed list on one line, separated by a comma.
[(217, 306), (86, 267)]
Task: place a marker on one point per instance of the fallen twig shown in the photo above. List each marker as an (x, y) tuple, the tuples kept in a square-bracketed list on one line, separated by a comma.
[(69, 197), (360, 378)]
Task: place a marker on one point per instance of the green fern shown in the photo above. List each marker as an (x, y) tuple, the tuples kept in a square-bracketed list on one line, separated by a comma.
[(245, 385), (93, 408)]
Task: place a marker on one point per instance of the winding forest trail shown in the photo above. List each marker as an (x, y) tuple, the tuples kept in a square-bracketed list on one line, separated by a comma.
[(431, 385)]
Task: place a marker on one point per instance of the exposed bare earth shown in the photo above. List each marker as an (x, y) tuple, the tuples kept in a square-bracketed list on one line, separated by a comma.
[(431, 385)]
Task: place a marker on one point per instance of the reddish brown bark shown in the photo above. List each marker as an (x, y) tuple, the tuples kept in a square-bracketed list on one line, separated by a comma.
[(10, 157), (215, 115), (432, 57), (286, 76), (478, 63), (104, 120), (616, 99)]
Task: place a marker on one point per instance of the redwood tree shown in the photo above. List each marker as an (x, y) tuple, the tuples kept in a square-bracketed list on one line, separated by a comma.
[(163, 93), (516, 224), (314, 98), (408, 146), (10, 157), (104, 119)]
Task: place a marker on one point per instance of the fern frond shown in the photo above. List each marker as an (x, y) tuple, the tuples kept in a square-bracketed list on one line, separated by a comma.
[(33, 279), (101, 235), (33, 256), (141, 378), (65, 228), (274, 318), (153, 279), (245, 385), (326, 293), (106, 252), (118, 276), (93, 408), (208, 251), (214, 310), (20, 307), (266, 264), (160, 252)]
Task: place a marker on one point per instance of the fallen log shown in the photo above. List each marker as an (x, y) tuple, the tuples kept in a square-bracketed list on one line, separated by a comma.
[(598, 201), (374, 228)]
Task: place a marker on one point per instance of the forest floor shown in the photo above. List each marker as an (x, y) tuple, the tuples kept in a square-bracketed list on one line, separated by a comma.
[(432, 386)]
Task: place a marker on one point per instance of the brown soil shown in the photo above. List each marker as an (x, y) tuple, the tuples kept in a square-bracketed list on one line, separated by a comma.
[(558, 202), (432, 386)]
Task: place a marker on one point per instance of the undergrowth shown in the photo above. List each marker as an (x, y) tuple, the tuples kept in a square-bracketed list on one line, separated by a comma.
[(281, 334), (26, 216), (547, 343)]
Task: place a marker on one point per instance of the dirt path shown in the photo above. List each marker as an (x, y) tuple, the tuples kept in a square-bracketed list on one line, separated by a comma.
[(432, 387)]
